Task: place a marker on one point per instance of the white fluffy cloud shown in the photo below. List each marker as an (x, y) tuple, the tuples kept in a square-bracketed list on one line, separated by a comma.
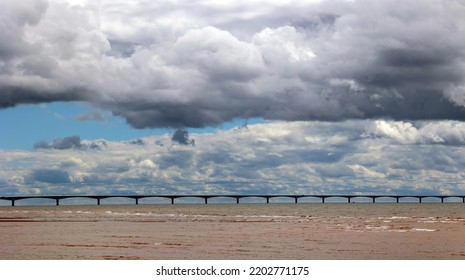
[(445, 132)]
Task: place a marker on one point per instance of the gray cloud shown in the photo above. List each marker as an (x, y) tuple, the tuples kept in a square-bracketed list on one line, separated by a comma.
[(318, 60), (71, 142), (181, 136), (91, 116), (335, 171), (15, 18), (52, 176), (137, 142)]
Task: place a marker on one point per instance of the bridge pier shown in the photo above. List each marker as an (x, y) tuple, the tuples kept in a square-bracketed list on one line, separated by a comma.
[(442, 199), (172, 200), (295, 198), (463, 199), (322, 200), (98, 201), (237, 200), (206, 200), (419, 199), (397, 200), (267, 200), (57, 201), (348, 200), (13, 202), (373, 200), (137, 200)]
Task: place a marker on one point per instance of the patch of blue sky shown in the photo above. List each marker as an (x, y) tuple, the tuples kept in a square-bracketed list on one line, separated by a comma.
[(239, 122), (23, 126)]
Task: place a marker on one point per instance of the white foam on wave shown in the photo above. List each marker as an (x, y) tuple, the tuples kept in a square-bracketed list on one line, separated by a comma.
[(266, 216), (391, 229), (144, 214), (449, 222), (377, 228), (415, 230), (423, 229), (398, 218), (84, 212)]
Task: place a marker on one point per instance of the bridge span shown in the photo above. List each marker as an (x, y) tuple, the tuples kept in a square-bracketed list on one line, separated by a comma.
[(267, 198)]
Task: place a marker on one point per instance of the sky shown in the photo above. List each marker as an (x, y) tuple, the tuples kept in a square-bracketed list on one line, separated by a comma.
[(223, 97)]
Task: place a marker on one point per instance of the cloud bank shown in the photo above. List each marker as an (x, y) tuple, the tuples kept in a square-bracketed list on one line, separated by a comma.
[(365, 157), (197, 63)]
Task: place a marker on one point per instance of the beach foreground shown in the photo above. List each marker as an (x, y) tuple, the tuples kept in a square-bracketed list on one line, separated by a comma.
[(230, 231)]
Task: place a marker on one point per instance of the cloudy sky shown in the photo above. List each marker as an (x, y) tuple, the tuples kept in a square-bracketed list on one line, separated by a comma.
[(315, 96)]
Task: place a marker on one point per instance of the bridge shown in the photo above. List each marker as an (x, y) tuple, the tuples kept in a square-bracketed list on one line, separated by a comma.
[(267, 198)]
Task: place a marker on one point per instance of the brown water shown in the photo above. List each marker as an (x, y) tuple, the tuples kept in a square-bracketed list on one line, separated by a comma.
[(230, 231)]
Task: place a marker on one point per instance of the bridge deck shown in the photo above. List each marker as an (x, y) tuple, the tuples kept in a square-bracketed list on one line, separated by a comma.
[(267, 198)]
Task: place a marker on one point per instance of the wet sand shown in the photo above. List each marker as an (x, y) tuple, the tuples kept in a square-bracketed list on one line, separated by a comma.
[(199, 232)]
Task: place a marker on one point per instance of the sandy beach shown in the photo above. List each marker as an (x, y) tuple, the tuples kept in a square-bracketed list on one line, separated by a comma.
[(284, 231)]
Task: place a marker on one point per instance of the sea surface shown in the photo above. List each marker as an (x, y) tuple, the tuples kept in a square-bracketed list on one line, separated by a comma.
[(235, 231)]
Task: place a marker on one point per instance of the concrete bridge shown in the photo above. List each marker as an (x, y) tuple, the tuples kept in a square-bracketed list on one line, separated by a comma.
[(237, 198)]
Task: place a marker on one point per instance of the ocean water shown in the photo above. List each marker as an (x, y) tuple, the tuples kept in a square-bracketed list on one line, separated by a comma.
[(235, 231)]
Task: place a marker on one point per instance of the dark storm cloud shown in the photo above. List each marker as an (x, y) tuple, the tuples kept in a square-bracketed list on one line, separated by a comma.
[(11, 96), (325, 60), (416, 58), (181, 136)]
